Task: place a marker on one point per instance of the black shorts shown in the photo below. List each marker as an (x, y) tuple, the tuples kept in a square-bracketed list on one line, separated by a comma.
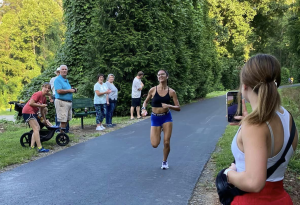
[(135, 102), (28, 117)]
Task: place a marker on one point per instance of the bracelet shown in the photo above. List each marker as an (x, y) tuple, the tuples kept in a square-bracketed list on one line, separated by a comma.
[(226, 173), (143, 108)]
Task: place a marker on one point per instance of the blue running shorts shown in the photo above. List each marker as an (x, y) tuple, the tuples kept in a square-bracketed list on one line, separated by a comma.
[(157, 120)]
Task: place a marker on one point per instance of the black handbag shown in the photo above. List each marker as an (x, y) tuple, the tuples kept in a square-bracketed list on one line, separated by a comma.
[(227, 192)]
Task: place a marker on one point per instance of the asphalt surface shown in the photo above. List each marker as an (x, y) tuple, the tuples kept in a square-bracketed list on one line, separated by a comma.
[(290, 85), (121, 167)]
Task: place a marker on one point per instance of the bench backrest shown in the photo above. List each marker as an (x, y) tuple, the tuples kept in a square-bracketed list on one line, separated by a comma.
[(82, 103)]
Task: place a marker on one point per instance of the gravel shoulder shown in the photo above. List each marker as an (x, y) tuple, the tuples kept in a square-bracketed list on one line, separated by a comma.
[(205, 192)]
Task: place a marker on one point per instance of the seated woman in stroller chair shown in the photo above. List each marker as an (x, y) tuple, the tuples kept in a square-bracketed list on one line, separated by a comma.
[(37, 103)]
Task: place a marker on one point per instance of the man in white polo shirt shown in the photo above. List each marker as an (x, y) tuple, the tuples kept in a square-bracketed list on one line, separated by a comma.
[(57, 73), (137, 87)]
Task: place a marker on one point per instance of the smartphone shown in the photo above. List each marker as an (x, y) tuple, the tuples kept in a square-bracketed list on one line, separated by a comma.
[(232, 107)]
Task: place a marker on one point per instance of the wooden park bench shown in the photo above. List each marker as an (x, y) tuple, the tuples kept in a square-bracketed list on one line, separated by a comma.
[(79, 106)]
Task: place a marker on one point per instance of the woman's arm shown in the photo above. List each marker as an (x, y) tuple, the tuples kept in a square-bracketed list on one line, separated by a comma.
[(149, 96), (99, 94), (107, 100), (176, 105), (50, 97), (32, 103), (253, 179)]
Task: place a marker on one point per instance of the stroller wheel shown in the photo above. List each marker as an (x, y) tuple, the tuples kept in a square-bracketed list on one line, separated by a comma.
[(25, 139), (62, 139)]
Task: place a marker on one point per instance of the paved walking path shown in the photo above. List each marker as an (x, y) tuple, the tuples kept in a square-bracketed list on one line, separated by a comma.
[(7, 117), (290, 85), (121, 167)]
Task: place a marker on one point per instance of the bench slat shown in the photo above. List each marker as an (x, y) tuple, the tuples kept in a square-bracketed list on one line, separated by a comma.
[(81, 103)]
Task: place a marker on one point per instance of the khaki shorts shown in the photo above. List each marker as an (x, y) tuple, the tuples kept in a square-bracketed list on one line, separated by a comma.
[(63, 110)]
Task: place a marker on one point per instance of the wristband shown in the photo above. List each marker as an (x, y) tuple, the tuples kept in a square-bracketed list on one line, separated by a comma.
[(226, 172), (143, 108)]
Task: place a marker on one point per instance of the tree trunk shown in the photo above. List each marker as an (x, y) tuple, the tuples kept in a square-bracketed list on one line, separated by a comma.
[(33, 44)]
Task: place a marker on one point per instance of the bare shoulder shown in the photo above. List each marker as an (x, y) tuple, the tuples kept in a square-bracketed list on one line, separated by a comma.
[(152, 90), (254, 131), (172, 91)]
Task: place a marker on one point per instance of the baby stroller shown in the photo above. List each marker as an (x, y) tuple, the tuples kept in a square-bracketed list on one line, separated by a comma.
[(62, 139)]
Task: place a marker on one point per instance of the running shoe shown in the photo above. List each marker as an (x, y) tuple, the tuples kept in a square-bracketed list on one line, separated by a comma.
[(103, 128), (165, 165), (99, 128), (43, 150)]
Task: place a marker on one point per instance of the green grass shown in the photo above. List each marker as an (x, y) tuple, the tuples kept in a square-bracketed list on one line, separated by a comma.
[(92, 120), (291, 101), (209, 95), (215, 94), (4, 112), (11, 151)]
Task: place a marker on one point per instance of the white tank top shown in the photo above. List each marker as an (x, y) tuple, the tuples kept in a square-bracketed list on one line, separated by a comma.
[(278, 175)]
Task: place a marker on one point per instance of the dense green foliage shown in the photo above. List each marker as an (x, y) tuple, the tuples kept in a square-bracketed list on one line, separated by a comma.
[(124, 37), (30, 33), (202, 44), (244, 28), (152, 35)]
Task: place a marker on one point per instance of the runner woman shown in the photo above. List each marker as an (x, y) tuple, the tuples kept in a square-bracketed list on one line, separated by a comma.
[(161, 118)]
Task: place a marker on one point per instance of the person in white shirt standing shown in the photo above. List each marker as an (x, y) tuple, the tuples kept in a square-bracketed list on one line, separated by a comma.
[(100, 101), (137, 87), (57, 73)]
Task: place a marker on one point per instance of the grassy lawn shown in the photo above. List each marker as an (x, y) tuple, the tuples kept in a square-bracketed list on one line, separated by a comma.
[(92, 120), (11, 151), (215, 94), (4, 112), (291, 101)]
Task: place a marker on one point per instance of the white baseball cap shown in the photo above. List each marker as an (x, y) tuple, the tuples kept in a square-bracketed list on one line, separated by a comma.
[(58, 69)]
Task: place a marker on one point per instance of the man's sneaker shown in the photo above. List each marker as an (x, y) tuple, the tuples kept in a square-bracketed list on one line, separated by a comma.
[(99, 128), (164, 165), (109, 125), (103, 128), (43, 150)]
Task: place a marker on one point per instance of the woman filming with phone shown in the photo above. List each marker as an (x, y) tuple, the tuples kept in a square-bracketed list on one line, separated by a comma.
[(262, 137)]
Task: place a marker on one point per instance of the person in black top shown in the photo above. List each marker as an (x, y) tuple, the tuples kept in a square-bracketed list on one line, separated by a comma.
[(161, 117)]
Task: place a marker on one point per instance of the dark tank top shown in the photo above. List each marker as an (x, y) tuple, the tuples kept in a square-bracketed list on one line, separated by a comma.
[(157, 100)]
